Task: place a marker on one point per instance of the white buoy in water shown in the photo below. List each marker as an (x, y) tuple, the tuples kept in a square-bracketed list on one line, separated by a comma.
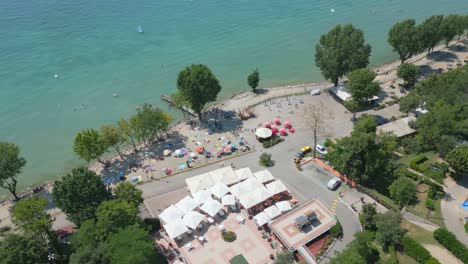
[(332, 10), (56, 76)]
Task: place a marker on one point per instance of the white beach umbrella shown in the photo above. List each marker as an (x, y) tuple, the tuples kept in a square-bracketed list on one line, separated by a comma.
[(178, 152), (193, 154), (262, 219), (192, 219), (246, 186), (244, 173), (175, 228), (284, 206), (167, 152), (219, 189), (276, 187), (264, 176), (272, 211), (228, 200), (202, 196), (187, 204), (224, 175), (263, 132), (199, 183), (211, 207), (172, 213)]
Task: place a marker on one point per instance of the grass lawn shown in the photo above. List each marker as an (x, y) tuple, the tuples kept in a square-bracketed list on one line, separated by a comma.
[(404, 259), (426, 169), (420, 209), (419, 234)]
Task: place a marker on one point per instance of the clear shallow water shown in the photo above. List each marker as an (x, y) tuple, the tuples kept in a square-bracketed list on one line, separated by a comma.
[(95, 50)]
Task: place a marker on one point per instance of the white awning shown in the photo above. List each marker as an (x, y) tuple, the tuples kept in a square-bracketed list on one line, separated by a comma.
[(224, 175), (199, 183), (211, 207), (244, 173), (283, 206), (262, 219), (246, 186), (264, 176), (192, 219), (219, 189), (171, 214), (175, 228), (228, 200), (272, 211), (263, 132), (202, 196), (254, 197), (187, 204), (276, 187)]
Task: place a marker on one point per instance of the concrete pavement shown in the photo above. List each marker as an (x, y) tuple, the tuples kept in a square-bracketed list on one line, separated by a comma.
[(456, 193)]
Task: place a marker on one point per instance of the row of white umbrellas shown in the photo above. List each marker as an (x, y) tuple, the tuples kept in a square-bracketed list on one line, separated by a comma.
[(272, 212)]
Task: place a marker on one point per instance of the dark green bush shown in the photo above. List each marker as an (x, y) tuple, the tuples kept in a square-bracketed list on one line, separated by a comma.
[(271, 143), (450, 242), (336, 230), (330, 143), (153, 224), (416, 161), (229, 236), (431, 260), (415, 250), (429, 203)]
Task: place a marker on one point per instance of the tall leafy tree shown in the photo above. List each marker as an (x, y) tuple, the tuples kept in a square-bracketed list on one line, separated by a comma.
[(458, 159), (361, 85), (114, 215), (452, 26), (112, 137), (367, 124), (403, 191), (314, 118), (126, 130), (409, 103), (199, 86), (150, 122), (340, 51), (430, 32), (89, 145), (408, 72), (11, 165), (389, 231), (404, 40), (127, 192), (367, 216), (23, 249), (79, 194), (253, 79)]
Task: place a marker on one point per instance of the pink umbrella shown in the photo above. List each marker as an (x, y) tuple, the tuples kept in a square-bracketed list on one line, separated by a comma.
[(283, 131), (292, 130), (274, 127), (267, 124), (287, 124), (277, 121)]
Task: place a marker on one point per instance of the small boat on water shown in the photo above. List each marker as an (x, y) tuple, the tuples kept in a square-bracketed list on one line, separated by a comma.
[(140, 29)]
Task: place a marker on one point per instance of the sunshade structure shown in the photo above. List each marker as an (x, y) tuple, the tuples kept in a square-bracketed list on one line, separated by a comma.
[(187, 204), (264, 176), (199, 183), (283, 206), (192, 219), (202, 196), (211, 207), (244, 173), (262, 219), (219, 189), (167, 152), (263, 132), (272, 211), (228, 200), (224, 175), (276, 187), (254, 197), (175, 228), (246, 186), (171, 214)]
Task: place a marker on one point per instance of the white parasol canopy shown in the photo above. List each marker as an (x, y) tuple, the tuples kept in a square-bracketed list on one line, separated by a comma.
[(272, 211), (211, 207), (199, 183), (167, 152), (224, 175), (175, 228), (187, 204), (244, 173), (263, 132), (192, 219), (178, 152), (254, 197), (219, 189), (262, 219), (171, 214), (228, 200), (283, 206), (246, 186), (276, 187), (264, 176), (202, 196)]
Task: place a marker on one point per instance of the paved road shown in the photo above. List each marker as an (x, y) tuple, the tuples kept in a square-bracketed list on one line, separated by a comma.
[(450, 205)]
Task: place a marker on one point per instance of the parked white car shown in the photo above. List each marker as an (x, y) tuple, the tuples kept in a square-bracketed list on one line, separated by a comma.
[(321, 149), (333, 183)]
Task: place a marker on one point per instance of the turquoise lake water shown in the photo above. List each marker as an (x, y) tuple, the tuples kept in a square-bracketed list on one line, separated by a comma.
[(95, 50)]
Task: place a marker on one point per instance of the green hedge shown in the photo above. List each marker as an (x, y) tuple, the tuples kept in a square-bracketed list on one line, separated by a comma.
[(415, 250), (450, 242), (271, 143), (416, 161), (330, 143), (431, 260), (336, 230)]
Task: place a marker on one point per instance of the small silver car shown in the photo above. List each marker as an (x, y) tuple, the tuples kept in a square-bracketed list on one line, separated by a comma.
[(333, 184)]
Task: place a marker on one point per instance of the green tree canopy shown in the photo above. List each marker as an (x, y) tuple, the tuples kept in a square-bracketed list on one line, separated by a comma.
[(113, 215), (79, 194), (403, 38), (199, 86), (11, 165), (367, 216), (89, 145), (253, 79), (367, 124), (409, 103), (452, 26), (90, 255), (458, 159), (361, 85), (130, 245), (403, 191), (113, 137), (127, 192), (127, 131), (359, 251), (150, 122), (389, 231), (341, 51), (430, 32), (286, 257), (16, 249), (408, 72)]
